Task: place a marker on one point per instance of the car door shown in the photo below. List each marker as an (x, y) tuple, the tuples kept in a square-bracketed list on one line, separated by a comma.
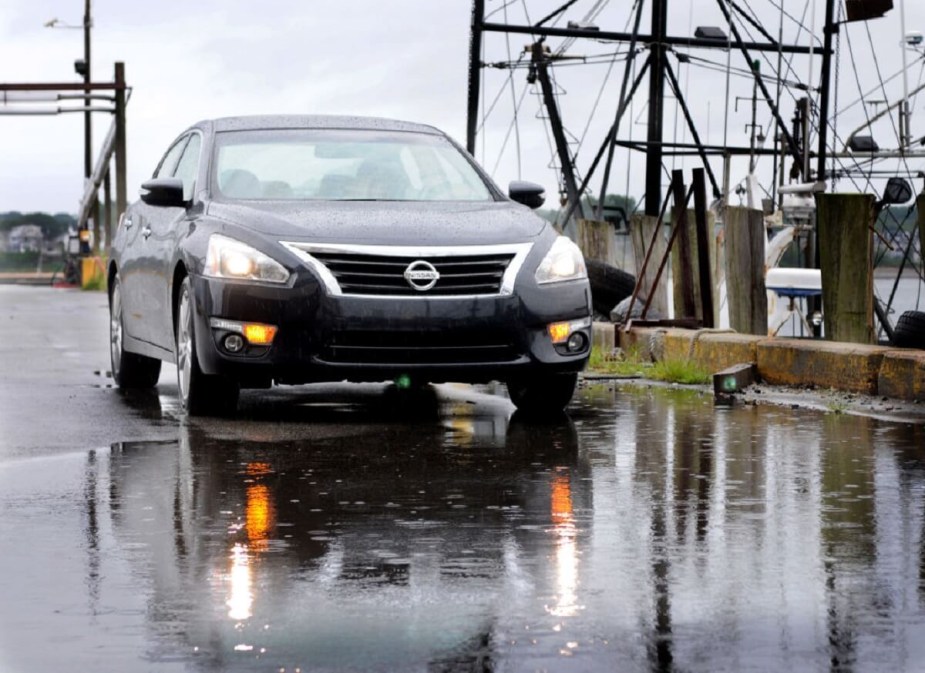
[(137, 261), (167, 227)]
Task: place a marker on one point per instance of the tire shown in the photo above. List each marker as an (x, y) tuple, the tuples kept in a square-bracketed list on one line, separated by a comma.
[(200, 394), (542, 395), (130, 371), (910, 330), (609, 285)]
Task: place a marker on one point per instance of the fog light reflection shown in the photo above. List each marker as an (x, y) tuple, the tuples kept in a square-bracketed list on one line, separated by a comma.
[(260, 517)]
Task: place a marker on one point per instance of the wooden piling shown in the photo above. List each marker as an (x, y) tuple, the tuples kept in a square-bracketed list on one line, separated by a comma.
[(703, 259), (108, 226), (681, 253), (745, 288), (704, 290), (120, 148), (641, 229), (717, 242), (596, 241), (844, 237), (685, 286)]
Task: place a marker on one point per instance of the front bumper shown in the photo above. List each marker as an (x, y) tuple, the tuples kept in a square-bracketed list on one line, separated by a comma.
[(356, 338)]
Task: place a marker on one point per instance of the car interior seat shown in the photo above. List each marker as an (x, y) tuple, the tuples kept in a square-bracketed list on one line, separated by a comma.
[(336, 186), (277, 189), (239, 183), (382, 180)]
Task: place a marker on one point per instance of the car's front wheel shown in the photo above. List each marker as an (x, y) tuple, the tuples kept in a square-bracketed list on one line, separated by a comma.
[(129, 370), (200, 394), (542, 393)]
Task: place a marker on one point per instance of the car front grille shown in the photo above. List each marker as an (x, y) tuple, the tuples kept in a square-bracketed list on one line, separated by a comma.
[(417, 271), (374, 347), (384, 275)]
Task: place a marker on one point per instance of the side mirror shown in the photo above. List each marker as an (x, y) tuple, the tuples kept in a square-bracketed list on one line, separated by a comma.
[(163, 192), (898, 190), (529, 194)]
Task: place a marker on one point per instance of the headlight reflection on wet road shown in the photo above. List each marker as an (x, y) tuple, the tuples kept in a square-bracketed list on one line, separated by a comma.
[(240, 580), (566, 557), (259, 525)]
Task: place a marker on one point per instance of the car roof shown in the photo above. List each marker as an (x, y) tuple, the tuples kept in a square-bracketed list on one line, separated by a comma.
[(254, 122)]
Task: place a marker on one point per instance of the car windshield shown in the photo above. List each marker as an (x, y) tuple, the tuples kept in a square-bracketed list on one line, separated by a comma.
[(343, 165)]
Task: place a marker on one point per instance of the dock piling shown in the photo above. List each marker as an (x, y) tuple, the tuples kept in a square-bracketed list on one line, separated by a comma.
[(745, 286), (843, 228)]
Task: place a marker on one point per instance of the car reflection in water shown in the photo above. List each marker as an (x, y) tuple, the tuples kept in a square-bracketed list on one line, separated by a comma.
[(344, 552), (649, 531)]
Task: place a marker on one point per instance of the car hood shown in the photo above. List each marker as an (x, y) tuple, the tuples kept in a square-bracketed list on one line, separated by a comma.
[(386, 222)]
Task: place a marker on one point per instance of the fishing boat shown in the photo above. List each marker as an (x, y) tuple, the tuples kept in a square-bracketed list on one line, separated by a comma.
[(777, 103)]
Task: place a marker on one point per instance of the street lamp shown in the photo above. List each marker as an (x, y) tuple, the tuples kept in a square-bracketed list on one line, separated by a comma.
[(82, 68)]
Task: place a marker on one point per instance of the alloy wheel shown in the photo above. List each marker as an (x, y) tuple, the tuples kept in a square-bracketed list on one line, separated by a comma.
[(115, 330), (184, 346)]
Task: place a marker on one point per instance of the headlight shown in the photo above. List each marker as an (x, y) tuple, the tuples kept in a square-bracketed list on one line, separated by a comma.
[(564, 261), (228, 258)]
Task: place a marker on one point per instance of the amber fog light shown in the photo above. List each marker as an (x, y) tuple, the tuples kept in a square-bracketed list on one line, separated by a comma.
[(234, 343), (239, 335), (258, 334), (558, 332), (561, 333)]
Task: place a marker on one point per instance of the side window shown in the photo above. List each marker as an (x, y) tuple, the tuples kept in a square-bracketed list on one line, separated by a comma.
[(188, 166), (169, 162)]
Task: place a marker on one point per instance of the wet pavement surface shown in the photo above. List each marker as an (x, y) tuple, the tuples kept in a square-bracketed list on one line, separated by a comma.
[(364, 528)]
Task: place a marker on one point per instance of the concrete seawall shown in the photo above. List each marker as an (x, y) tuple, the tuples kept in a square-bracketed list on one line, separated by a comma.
[(873, 370)]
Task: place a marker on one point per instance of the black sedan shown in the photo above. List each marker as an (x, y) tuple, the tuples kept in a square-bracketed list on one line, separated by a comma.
[(295, 249)]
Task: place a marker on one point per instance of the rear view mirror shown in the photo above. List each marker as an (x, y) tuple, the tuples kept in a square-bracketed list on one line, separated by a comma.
[(529, 194), (163, 192), (342, 150)]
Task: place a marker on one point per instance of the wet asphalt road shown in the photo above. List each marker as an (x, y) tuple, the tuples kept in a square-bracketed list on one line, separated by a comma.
[(355, 528)]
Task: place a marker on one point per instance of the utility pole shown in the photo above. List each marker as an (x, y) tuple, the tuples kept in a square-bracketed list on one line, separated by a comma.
[(120, 144), (84, 69), (88, 128)]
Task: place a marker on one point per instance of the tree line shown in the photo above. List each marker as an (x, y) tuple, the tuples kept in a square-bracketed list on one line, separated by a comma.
[(616, 206)]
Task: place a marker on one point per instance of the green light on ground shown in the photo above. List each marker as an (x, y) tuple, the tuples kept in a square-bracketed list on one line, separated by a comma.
[(403, 382)]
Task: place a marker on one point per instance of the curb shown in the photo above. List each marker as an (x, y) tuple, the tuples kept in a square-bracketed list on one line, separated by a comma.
[(8, 278), (897, 373)]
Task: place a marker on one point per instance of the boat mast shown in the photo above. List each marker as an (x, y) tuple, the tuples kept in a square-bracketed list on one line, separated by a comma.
[(905, 114), (660, 45), (655, 151), (829, 31), (475, 65)]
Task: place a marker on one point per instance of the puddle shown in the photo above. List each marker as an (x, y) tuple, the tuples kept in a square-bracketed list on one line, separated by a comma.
[(647, 528)]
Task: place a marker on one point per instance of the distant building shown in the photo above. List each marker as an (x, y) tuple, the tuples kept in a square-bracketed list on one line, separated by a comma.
[(57, 246), (25, 238)]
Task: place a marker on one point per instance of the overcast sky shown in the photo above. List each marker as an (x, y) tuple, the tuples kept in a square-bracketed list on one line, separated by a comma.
[(404, 59)]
